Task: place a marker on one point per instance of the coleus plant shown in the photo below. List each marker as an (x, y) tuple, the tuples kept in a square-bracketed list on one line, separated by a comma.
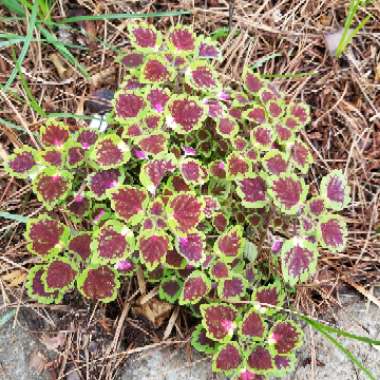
[(200, 182)]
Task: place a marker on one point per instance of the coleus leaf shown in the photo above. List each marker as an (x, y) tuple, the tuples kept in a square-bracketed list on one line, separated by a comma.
[(170, 289), (144, 37), (219, 270), (153, 121), (36, 289), (275, 108), (75, 154), (237, 166), (283, 134), (260, 360), (252, 327), (52, 186), (59, 275), (240, 144), (262, 137), (129, 107), (112, 242), (207, 48), (230, 244), (80, 245), (211, 205), (192, 247), (153, 246), (110, 151), (232, 288), (54, 134), (181, 40), (298, 260), (253, 191), (201, 342), (52, 157), (193, 172), (101, 181), (87, 138), (154, 143), (132, 60), (256, 114), (185, 113), (201, 77), (300, 111), (178, 183), (219, 320), (335, 191), (46, 237), (288, 192), (268, 94), (154, 171), (22, 163), (300, 156), (218, 169), (129, 85), (275, 162), (79, 206), (174, 260), (227, 358), (129, 203), (215, 108), (196, 286), (156, 70), (220, 221), (252, 82), (284, 364), (269, 298), (285, 337), (227, 127), (158, 98), (155, 275), (177, 61), (332, 232), (184, 211), (99, 283), (316, 207)]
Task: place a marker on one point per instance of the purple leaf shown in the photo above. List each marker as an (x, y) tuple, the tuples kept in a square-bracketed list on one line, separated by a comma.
[(219, 270), (332, 232), (219, 321), (288, 192), (193, 172), (335, 191), (129, 203), (182, 40), (98, 283), (129, 106), (260, 360), (155, 70), (158, 99), (153, 144), (230, 244), (195, 287), (80, 245), (54, 134), (144, 36), (191, 247), (252, 326), (252, 190), (101, 181), (153, 247), (298, 260), (252, 82), (232, 288), (59, 274), (185, 211), (22, 162), (227, 359), (285, 337)]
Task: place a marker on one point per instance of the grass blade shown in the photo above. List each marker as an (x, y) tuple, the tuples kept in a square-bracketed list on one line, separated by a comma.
[(120, 16), (341, 348), (25, 47), (13, 7), (53, 40), (340, 332), (15, 217), (267, 58)]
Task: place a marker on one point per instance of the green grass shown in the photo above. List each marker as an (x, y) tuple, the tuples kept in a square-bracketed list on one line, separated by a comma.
[(37, 15), (348, 32), (327, 331)]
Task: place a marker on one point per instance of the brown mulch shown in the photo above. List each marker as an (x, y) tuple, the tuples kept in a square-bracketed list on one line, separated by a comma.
[(345, 133)]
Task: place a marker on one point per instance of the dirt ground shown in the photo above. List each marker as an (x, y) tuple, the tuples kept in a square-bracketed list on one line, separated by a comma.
[(344, 95)]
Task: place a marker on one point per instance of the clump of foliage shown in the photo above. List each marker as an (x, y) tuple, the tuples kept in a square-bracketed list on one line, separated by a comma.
[(200, 183)]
